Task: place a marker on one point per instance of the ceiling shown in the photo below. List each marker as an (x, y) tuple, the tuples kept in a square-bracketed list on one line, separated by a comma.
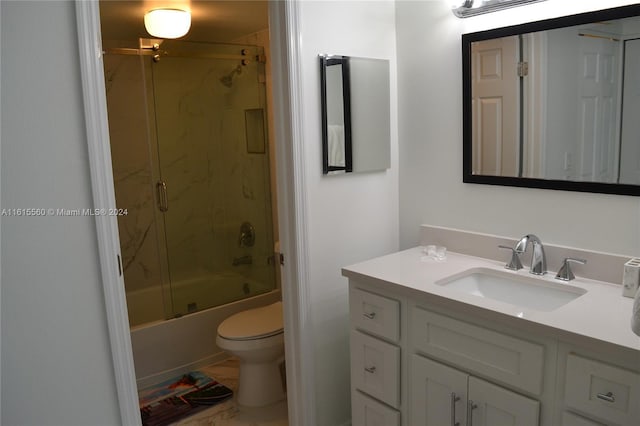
[(211, 20)]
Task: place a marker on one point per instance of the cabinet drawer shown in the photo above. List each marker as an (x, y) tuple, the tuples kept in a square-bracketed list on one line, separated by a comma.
[(607, 392), (570, 419), (375, 314), (503, 358), (375, 368), (369, 412)]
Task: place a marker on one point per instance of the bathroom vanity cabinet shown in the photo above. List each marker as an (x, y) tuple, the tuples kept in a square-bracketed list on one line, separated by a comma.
[(418, 358)]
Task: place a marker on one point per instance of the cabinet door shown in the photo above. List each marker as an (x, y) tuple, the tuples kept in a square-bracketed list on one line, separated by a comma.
[(439, 394), (491, 405), (369, 412)]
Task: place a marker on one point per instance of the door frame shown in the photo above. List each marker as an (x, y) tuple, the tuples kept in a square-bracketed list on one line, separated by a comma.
[(284, 18)]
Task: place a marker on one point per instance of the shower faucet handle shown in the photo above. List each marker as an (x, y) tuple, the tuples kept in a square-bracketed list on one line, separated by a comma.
[(514, 264)]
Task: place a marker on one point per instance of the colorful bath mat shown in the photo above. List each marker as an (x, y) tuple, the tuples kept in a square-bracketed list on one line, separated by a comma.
[(180, 397)]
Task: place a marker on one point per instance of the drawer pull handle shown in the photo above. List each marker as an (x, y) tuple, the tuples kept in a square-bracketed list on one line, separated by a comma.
[(371, 369), (372, 315), (606, 397), (454, 399), (470, 407)]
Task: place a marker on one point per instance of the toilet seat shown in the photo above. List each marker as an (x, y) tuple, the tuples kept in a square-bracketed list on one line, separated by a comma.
[(253, 324)]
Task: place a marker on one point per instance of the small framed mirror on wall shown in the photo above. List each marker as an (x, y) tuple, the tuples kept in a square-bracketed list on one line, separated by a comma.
[(336, 114), (356, 111), (555, 104)]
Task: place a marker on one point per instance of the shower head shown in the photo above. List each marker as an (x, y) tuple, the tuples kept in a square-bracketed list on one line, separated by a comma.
[(227, 80)]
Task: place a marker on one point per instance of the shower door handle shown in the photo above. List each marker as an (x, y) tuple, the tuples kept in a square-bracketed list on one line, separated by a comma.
[(163, 199)]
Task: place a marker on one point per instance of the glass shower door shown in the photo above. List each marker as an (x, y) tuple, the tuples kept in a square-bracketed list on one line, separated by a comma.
[(131, 131), (214, 189)]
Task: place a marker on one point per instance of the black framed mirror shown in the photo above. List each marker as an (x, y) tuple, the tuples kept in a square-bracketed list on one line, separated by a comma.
[(335, 96), (356, 114), (555, 104)]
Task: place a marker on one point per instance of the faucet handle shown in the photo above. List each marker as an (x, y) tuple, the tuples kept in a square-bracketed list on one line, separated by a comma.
[(514, 264), (565, 273)]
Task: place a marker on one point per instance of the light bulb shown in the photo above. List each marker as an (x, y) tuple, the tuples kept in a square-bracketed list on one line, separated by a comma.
[(167, 23)]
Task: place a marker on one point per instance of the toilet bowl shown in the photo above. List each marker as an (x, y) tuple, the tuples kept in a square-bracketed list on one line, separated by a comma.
[(256, 338)]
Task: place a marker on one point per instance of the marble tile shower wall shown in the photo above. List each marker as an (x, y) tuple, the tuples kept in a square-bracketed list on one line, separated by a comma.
[(213, 182)]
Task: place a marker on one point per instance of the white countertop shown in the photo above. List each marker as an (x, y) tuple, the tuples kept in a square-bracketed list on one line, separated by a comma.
[(602, 313)]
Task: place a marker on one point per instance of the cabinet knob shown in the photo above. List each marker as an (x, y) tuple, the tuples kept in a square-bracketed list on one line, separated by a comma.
[(609, 397), (371, 315), (371, 369)]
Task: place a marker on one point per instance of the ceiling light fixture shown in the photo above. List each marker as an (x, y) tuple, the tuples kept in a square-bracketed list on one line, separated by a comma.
[(167, 23), (467, 8)]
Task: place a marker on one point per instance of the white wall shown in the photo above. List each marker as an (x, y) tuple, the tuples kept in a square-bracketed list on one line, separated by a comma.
[(352, 217), (55, 347), (430, 134), (56, 359)]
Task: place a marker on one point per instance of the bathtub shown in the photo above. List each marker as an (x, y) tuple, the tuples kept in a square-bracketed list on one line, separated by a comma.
[(166, 348)]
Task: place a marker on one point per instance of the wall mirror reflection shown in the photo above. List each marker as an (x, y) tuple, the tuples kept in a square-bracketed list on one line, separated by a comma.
[(555, 104), (355, 104)]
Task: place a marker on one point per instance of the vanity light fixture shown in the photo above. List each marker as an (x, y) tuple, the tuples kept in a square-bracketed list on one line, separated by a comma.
[(467, 8), (167, 23)]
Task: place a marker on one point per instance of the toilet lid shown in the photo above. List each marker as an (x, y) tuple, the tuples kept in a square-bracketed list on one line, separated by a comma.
[(253, 323)]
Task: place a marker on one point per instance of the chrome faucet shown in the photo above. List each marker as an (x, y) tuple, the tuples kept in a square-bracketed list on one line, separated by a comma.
[(538, 259)]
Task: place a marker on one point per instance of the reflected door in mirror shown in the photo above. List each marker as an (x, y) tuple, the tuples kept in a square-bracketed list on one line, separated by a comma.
[(630, 139), (495, 102)]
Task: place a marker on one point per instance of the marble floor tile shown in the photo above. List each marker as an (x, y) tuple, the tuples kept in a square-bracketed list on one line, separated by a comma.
[(229, 413)]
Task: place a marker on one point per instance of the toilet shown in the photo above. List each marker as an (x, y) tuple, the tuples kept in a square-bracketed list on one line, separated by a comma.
[(256, 338)]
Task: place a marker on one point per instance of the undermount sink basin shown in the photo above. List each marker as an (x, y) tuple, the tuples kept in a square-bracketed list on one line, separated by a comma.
[(527, 292)]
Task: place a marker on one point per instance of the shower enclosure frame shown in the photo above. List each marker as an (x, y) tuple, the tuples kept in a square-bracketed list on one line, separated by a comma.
[(284, 27)]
